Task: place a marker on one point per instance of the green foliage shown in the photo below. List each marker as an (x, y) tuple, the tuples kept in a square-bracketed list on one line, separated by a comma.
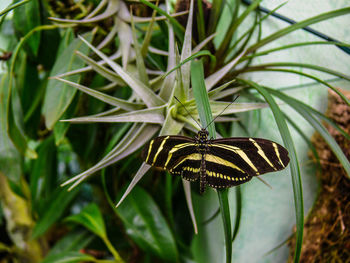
[(101, 64), (147, 226)]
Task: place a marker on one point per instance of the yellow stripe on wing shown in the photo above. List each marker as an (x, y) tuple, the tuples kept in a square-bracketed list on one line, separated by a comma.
[(149, 150), (240, 152), (176, 148), (159, 149), (218, 160), (278, 154), (193, 157), (261, 153)]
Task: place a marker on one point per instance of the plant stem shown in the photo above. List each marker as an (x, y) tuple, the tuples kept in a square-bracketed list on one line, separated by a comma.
[(112, 250)]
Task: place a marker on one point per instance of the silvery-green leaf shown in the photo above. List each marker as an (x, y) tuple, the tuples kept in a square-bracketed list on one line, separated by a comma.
[(137, 136), (214, 78), (123, 104), (186, 52), (145, 93), (151, 115)]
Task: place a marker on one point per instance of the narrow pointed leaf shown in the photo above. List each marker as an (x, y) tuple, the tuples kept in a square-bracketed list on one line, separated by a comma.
[(304, 23), (214, 78), (145, 93), (152, 115), (123, 104), (131, 142), (205, 114), (294, 165)]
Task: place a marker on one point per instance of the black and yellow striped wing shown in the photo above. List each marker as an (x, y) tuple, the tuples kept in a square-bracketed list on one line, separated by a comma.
[(218, 163), (234, 161), (173, 153)]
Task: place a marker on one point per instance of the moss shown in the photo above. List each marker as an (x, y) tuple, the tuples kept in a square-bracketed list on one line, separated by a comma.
[(327, 228)]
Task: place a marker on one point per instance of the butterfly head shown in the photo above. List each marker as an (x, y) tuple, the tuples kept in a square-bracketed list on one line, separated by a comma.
[(202, 136)]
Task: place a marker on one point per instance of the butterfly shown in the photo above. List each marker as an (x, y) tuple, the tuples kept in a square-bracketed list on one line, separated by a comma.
[(218, 163)]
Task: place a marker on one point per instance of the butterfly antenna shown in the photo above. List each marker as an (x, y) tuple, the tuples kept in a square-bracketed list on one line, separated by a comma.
[(188, 112), (222, 111)]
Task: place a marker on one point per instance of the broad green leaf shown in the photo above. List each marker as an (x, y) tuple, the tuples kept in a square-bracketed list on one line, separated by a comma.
[(60, 129), (43, 176), (19, 221), (15, 123), (73, 241), (91, 218), (26, 18), (59, 95), (68, 257), (10, 160), (56, 206), (146, 225)]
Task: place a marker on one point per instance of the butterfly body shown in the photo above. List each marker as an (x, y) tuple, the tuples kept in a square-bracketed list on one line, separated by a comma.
[(218, 163)]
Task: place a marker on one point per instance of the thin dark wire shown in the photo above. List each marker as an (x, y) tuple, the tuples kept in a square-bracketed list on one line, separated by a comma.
[(308, 29)]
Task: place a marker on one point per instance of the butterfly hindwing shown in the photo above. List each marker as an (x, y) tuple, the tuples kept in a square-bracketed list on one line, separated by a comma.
[(188, 167), (222, 173)]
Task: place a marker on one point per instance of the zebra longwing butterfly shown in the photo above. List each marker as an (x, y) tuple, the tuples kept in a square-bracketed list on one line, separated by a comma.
[(219, 163)]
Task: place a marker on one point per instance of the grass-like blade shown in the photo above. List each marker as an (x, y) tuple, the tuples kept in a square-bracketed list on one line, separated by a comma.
[(205, 115), (299, 25), (303, 111), (294, 165)]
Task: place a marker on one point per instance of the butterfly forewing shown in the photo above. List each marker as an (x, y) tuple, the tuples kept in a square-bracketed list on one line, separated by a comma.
[(255, 156), (167, 151)]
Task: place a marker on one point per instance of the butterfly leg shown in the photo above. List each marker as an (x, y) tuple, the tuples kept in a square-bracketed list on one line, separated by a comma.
[(203, 177)]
